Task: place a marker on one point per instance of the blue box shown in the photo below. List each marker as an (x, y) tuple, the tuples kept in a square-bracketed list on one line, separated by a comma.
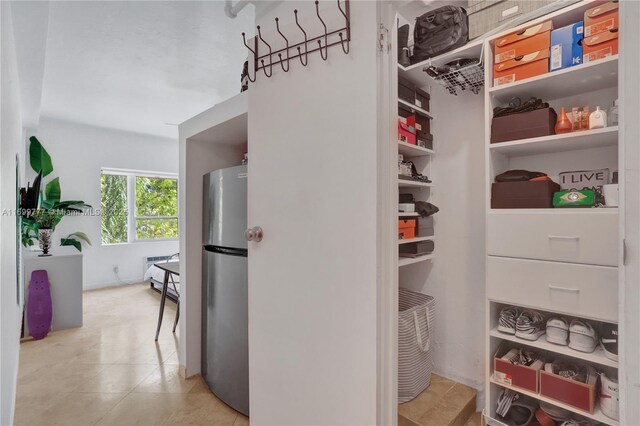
[(566, 46)]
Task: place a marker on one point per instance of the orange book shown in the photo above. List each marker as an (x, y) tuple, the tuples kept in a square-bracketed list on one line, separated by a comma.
[(529, 40), (522, 67)]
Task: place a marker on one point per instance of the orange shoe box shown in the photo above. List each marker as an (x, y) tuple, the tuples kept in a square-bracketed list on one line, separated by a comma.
[(406, 229), (522, 67), (532, 39), (601, 18), (600, 46)]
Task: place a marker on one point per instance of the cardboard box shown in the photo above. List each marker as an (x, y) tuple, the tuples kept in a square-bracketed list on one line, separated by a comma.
[(566, 46), (406, 229), (601, 18), (571, 392), (531, 124), (523, 195), (519, 376), (522, 67), (529, 40), (600, 46), (406, 133)]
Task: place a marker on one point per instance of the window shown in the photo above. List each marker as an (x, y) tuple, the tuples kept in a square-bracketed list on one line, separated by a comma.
[(138, 206)]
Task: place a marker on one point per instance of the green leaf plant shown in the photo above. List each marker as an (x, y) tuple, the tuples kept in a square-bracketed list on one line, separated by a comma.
[(51, 209)]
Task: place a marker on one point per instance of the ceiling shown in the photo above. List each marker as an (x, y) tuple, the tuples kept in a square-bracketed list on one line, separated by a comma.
[(138, 66)]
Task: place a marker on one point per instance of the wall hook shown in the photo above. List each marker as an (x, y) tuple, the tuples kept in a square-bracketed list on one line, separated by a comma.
[(287, 44), (264, 68), (244, 40), (306, 60), (326, 36), (342, 44)]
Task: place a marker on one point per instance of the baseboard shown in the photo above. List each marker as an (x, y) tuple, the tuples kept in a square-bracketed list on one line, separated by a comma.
[(107, 284)]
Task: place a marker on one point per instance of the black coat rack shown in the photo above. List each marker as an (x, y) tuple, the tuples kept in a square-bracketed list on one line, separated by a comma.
[(266, 61)]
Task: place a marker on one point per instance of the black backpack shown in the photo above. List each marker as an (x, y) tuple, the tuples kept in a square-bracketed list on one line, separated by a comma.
[(439, 31)]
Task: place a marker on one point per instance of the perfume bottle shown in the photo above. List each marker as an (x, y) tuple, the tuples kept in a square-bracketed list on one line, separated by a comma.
[(563, 124), (598, 119), (613, 114)]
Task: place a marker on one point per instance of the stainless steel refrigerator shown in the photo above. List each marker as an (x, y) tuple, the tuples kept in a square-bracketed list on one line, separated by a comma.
[(225, 325)]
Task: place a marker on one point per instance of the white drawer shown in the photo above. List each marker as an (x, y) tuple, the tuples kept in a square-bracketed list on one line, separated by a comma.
[(565, 236), (581, 290)]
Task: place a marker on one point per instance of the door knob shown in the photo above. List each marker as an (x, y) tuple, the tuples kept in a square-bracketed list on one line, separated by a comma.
[(254, 234)]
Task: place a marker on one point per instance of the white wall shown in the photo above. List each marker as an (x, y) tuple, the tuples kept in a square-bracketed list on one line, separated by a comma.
[(79, 152), (456, 277), (10, 140)]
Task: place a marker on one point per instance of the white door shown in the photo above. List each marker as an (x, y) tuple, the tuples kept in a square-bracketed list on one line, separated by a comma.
[(313, 279)]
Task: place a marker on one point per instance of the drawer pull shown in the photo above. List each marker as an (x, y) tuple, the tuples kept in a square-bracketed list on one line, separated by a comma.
[(563, 237), (567, 289)]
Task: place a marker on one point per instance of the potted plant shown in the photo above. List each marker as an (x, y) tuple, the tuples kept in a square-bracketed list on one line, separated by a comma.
[(46, 219), (44, 210)]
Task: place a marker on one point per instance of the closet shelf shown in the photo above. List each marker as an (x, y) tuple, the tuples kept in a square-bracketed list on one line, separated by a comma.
[(404, 261), (596, 415), (586, 139), (597, 356), (413, 184), (555, 211), (415, 108), (576, 80), (410, 150), (415, 74), (408, 214), (416, 240)]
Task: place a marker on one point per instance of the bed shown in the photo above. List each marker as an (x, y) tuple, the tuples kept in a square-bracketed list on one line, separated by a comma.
[(155, 277)]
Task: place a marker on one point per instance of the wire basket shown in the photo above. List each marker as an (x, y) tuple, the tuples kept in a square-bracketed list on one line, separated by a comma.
[(458, 75)]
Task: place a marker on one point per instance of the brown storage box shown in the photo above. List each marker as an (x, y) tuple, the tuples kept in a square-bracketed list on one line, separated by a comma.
[(603, 17), (521, 67), (523, 195), (532, 124), (529, 40), (515, 375), (571, 392)]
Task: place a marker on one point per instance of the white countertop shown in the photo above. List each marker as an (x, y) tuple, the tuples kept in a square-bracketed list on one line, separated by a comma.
[(56, 251)]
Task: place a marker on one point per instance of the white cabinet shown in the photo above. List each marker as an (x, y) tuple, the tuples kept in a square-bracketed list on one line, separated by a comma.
[(582, 290), (64, 269), (577, 236)]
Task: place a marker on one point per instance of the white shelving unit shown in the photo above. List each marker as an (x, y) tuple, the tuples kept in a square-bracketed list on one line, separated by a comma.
[(415, 108), (416, 240), (413, 150), (413, 184), (592, 84), (596, 415), (404, 261), (596, 357)]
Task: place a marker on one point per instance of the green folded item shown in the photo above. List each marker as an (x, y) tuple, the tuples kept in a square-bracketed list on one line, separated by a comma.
[(574, 198)]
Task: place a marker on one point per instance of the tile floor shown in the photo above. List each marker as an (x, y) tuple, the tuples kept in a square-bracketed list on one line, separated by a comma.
[(111, 372)]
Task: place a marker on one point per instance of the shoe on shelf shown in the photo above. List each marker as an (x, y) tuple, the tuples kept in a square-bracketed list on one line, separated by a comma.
[(609, 340), (530, 325), (609, 396), (507, 320), (558, 331), (582, 336)]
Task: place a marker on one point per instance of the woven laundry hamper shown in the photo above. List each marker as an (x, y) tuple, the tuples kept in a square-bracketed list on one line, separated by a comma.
[(415, 336)]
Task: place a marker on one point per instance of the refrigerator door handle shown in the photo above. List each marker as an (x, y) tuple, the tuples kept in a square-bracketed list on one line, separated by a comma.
[(254, 234)]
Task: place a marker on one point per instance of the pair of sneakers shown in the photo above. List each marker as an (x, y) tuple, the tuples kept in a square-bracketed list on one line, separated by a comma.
[(528, 324), (579, 335)]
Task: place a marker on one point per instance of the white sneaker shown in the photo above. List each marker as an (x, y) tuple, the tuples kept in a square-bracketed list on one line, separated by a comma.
[(582, 336), (530, 325), (558, 331)]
